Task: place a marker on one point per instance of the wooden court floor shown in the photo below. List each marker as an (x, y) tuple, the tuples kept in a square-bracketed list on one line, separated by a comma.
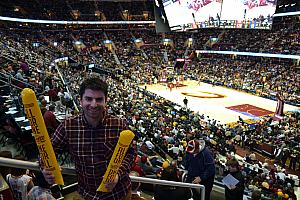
[(220, 103)]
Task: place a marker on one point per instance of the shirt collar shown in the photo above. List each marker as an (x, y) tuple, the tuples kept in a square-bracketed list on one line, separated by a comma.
[(85, 122)]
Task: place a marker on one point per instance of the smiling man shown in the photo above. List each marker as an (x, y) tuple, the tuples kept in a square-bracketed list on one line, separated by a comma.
[(91, 138)]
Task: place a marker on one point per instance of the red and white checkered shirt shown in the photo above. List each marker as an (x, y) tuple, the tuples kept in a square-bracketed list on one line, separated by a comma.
[(91, 149)]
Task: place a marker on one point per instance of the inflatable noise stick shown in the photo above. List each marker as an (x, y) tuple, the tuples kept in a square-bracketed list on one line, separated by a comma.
[(40, 134), (117, 158)]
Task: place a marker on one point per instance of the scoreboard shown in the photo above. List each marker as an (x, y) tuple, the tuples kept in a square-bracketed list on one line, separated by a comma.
[(185, 15)]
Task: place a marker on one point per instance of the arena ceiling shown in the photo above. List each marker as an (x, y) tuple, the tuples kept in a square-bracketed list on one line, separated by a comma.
[(64, 9)]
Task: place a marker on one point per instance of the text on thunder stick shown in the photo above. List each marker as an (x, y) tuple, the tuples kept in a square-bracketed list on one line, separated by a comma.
[(29, 105), (111, 176), (44, 155), (32, 121), (40, 139), (120, 154)]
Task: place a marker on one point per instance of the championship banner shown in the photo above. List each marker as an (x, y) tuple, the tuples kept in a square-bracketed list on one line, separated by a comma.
[(40, 134), (117, 158)]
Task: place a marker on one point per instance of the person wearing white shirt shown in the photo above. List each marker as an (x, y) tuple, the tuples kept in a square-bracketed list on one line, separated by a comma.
[(175, 150), (175, 131), (67, 96), (149, 144), (60, 94), (282, 175)]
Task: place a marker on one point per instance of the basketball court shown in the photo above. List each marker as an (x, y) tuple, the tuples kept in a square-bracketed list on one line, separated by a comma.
[(220, 103)]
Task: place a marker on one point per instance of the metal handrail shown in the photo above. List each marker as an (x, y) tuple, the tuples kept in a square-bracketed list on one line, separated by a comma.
[(7, 162)]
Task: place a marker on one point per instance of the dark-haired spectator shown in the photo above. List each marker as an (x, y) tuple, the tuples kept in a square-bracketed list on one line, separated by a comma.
[(163, 192), (291, 192), (235, 192), (9, 124), (19, 182), (10, 70), (52, 94), (41, 101), (98, 147), (256, 195), (135, 187), (24, 67), (42, 190), (50, 119), (147, 166), (293, 159)]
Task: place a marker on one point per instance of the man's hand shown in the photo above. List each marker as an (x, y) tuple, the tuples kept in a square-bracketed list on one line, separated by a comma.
[(197, 180), (111, 186), (49, 177), (232, 187)]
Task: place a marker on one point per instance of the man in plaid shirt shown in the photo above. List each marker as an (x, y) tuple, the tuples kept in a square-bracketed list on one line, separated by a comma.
[(91, 138)]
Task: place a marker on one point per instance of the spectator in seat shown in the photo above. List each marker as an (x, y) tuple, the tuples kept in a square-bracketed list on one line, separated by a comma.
[(256, 195), (50, 119), (163, 192), (53, 94), (147, 166), (135, 195), (200, 164), (235, 192), (19, 182), (42, 190)]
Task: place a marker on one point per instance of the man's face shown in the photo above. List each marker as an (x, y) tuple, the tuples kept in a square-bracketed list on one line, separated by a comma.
[(232, 168), (93, 104)]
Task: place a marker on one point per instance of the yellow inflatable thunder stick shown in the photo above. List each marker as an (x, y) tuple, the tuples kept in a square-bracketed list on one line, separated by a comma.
[(116, 159), (40, 134)]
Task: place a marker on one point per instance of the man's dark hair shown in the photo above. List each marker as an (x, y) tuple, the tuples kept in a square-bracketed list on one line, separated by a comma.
[(256, 195), (93, 83), (40, 179), (233, 163), (169, 174), (52, 108)]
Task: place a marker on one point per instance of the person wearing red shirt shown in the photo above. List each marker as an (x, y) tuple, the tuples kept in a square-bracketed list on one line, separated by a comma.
[(50, 119)]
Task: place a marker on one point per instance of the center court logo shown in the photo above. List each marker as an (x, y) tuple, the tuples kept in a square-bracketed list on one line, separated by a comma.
[(203, 95)]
